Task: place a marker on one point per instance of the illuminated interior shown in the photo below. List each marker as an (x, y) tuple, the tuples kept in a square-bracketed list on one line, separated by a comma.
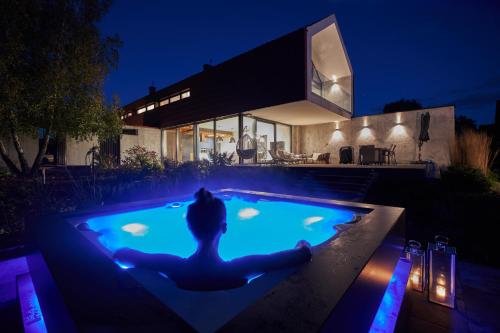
[(227, 134), (218, 136), (206, 140), (331, 73)]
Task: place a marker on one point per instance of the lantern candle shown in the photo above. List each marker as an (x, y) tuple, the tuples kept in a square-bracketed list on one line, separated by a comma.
[(441, 280), (415, 279), (440, 291)]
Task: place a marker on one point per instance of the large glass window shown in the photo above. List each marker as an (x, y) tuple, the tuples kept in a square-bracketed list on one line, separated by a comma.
[(249, 128), (265, 138), (283, 137), (331, 74), (186, 143), (169, 144), (226, 136), (205, 140)]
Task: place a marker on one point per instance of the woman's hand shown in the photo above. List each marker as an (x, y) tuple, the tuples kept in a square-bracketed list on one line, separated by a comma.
[(303, 243), (305, 247), (124, 254)]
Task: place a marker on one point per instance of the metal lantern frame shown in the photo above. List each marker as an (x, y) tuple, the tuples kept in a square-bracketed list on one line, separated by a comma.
[(416, 255), (442, 281)]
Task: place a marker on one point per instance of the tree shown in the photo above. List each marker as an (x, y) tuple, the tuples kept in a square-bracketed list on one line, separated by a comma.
[(464, 123), (53, 62), (402, 105)]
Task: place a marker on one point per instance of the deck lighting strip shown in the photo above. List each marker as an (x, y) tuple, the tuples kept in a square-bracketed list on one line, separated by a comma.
[(388, 310), (30, 307)]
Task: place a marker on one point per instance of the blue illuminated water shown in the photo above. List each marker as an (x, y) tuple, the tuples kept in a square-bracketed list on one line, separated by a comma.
[(255, 226)]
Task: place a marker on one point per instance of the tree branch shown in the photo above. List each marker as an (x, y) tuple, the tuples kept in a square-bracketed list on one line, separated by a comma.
[(10, 165), (19, 150), (41, 152)]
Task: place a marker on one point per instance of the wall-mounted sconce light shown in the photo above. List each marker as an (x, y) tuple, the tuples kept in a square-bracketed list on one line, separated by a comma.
[(442, 272), (335, 84), (398, 118), (365, 122)]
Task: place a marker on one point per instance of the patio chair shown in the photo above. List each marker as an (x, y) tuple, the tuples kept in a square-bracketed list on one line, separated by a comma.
[(317, 158), (287, 157), (324, 158), (346, 154), (275, 157), (366, 154), (391, 154)]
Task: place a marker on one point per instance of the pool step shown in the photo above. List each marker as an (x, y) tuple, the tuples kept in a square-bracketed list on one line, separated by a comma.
[(346, 186)]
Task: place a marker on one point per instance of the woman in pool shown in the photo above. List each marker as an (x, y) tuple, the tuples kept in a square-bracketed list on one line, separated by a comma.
[(205, 270)]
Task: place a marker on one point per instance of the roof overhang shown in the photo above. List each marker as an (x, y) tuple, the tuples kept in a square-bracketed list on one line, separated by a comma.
[(298, 113)]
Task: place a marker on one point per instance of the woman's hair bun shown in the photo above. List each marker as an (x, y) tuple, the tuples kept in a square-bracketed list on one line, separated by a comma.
[(203, 196)]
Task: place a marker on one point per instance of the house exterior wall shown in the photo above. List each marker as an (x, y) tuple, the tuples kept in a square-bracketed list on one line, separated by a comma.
[(147, 137), (76, 150), (29, 145), (399, 128)]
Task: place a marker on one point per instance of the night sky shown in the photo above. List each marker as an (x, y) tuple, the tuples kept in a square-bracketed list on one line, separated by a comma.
[(439, 52)]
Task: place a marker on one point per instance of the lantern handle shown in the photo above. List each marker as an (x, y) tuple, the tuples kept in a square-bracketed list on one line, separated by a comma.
[(441, 241), (414, 244)]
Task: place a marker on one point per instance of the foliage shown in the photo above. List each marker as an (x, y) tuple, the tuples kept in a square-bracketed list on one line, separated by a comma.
[(402, 105), (99, 160), (222, 159), (169, 164), (466, 180), (193, 170), (473, 149), (139, 158), (463, 123), (53, 62)]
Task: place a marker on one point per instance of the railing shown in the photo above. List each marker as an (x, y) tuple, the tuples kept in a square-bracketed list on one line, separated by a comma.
[(332, 90)]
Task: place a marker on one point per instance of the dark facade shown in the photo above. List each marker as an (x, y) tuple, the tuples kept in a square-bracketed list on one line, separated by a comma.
[(272, 74)]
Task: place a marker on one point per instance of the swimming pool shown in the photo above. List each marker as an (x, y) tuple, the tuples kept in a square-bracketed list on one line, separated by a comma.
[(299, 299), (256, 225)]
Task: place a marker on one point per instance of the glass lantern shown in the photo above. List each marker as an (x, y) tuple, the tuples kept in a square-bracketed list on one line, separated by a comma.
[(442, 272), (416, 255)]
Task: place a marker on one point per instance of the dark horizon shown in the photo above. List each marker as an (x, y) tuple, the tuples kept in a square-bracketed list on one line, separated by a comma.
[(165, 43)]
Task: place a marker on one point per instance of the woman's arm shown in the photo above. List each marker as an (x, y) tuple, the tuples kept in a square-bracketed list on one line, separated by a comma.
[(265, 263), (157, 262)]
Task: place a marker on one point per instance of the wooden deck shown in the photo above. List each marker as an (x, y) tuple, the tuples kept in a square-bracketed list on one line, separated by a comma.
[(342, 166)]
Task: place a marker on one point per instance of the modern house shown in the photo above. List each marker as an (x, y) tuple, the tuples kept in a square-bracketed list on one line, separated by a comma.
[(294, 94)]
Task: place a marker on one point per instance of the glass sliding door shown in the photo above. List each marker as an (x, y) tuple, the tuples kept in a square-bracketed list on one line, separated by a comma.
[(265, 139), (283, 137), (186, 143), (249, 128), (226, 137), (206, 138), (169, 144)]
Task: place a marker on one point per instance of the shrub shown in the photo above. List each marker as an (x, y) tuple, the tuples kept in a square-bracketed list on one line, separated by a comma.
[(472, 149), (465, 179), (139, 158)]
